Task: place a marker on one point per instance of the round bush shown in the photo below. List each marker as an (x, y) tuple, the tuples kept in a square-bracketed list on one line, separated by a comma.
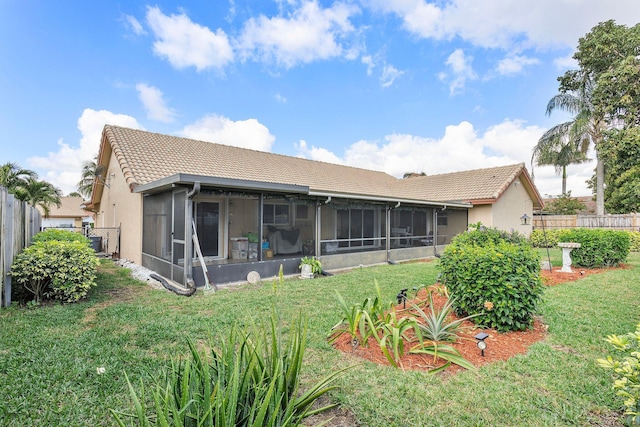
[(500, 281), (61, 270), (599, 248)]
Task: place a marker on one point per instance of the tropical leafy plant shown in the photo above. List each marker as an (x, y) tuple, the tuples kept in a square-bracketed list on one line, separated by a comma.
[(316, 265), (252, 378), (391, 333), (626, 368), (360, 320)]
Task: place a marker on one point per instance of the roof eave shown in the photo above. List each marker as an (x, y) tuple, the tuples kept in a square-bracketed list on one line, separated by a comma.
[(189, 179), (395, 200)]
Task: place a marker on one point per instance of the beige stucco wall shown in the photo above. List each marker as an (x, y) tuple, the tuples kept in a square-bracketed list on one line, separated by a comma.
[(482, 214), (120, 207), (514, 203)]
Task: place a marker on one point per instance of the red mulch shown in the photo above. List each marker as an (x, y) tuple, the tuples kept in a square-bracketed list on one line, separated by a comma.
[(500, 346)]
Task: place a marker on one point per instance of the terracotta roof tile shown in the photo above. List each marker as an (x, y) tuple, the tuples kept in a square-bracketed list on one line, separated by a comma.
[(146, 157), (472, 185)]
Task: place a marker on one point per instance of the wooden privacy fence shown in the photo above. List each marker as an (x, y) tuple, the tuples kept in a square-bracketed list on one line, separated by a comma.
[(18, 223), (629, 222)]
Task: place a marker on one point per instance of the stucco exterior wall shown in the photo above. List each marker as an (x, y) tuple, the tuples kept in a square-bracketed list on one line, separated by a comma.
[(514, 203), (483, 214), (119, 207)]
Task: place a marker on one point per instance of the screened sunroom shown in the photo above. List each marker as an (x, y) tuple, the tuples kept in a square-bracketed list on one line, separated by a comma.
[(234, 230)]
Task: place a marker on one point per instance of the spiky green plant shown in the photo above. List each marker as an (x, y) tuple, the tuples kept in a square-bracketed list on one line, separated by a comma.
[(252, 378)]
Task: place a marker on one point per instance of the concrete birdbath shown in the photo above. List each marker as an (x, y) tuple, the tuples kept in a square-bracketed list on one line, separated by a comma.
[(567, 247)]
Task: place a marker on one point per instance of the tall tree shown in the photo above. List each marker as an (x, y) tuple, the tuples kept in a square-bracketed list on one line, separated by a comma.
[(556, 148), (13, 177), (40, 193), (600, 52), (85, 185), (621, 154)]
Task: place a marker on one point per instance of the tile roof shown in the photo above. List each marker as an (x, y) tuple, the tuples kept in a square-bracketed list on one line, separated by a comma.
[(145, 157), (479, 185)]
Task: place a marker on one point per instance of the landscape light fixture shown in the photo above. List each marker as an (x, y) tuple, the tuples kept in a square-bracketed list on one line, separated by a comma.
[(481, 343), (402, 297), (524, 219)]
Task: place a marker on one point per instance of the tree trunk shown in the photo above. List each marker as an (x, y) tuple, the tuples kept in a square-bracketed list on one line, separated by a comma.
[(564, 180), (599, 184)]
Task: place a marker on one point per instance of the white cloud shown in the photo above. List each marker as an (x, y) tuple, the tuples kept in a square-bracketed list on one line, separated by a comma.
[(368, 61), (134, 25), (187, 44), (460, 148), (565, 62), (507, 23), (222, 130), (316, 153), (308, 34), (461, 69), (515, 64), (151, 98), (64, 167), (280, 98), (389, 75)]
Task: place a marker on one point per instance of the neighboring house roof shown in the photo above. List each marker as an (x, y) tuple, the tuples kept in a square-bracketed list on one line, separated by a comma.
[(479, 186), (147, 158), (589, 203), (70, 207)]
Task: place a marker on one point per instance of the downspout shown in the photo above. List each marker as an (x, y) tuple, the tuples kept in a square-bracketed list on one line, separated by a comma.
[(318, 229), (388, 232), (188, 237), (261, 225)]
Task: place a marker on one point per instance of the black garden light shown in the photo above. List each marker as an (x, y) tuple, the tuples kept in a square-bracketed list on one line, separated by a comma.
[(481, 343), (402, 297), (525, 219)]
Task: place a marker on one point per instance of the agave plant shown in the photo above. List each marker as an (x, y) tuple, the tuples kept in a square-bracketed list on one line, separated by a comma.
[(437, 328)]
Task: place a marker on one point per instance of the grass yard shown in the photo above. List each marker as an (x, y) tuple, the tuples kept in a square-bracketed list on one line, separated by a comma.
[(49, 356)]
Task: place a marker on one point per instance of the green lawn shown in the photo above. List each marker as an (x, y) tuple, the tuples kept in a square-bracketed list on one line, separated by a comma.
[(49, 355)]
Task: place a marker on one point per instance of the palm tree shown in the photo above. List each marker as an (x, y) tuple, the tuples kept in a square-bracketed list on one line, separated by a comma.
[(555, 149), (585, 129), (40, 193), (85, 186), (13, 177)]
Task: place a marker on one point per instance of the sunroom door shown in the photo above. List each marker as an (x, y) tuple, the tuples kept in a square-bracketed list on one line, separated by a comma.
[(207, 218)]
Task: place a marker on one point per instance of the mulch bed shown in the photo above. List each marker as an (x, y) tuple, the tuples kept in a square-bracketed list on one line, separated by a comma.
[(500, 346)]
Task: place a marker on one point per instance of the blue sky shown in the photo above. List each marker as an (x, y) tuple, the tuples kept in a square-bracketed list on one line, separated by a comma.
[(392, 85)]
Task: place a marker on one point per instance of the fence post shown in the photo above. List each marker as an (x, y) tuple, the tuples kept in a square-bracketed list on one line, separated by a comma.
[(7, 237)]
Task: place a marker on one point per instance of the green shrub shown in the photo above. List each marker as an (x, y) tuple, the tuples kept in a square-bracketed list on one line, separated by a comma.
[(599, 248), (62, 270), (252, 378), (626, 368), (59, 235), (500, 282), (544, 238), (634, 241), (481, 235)]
